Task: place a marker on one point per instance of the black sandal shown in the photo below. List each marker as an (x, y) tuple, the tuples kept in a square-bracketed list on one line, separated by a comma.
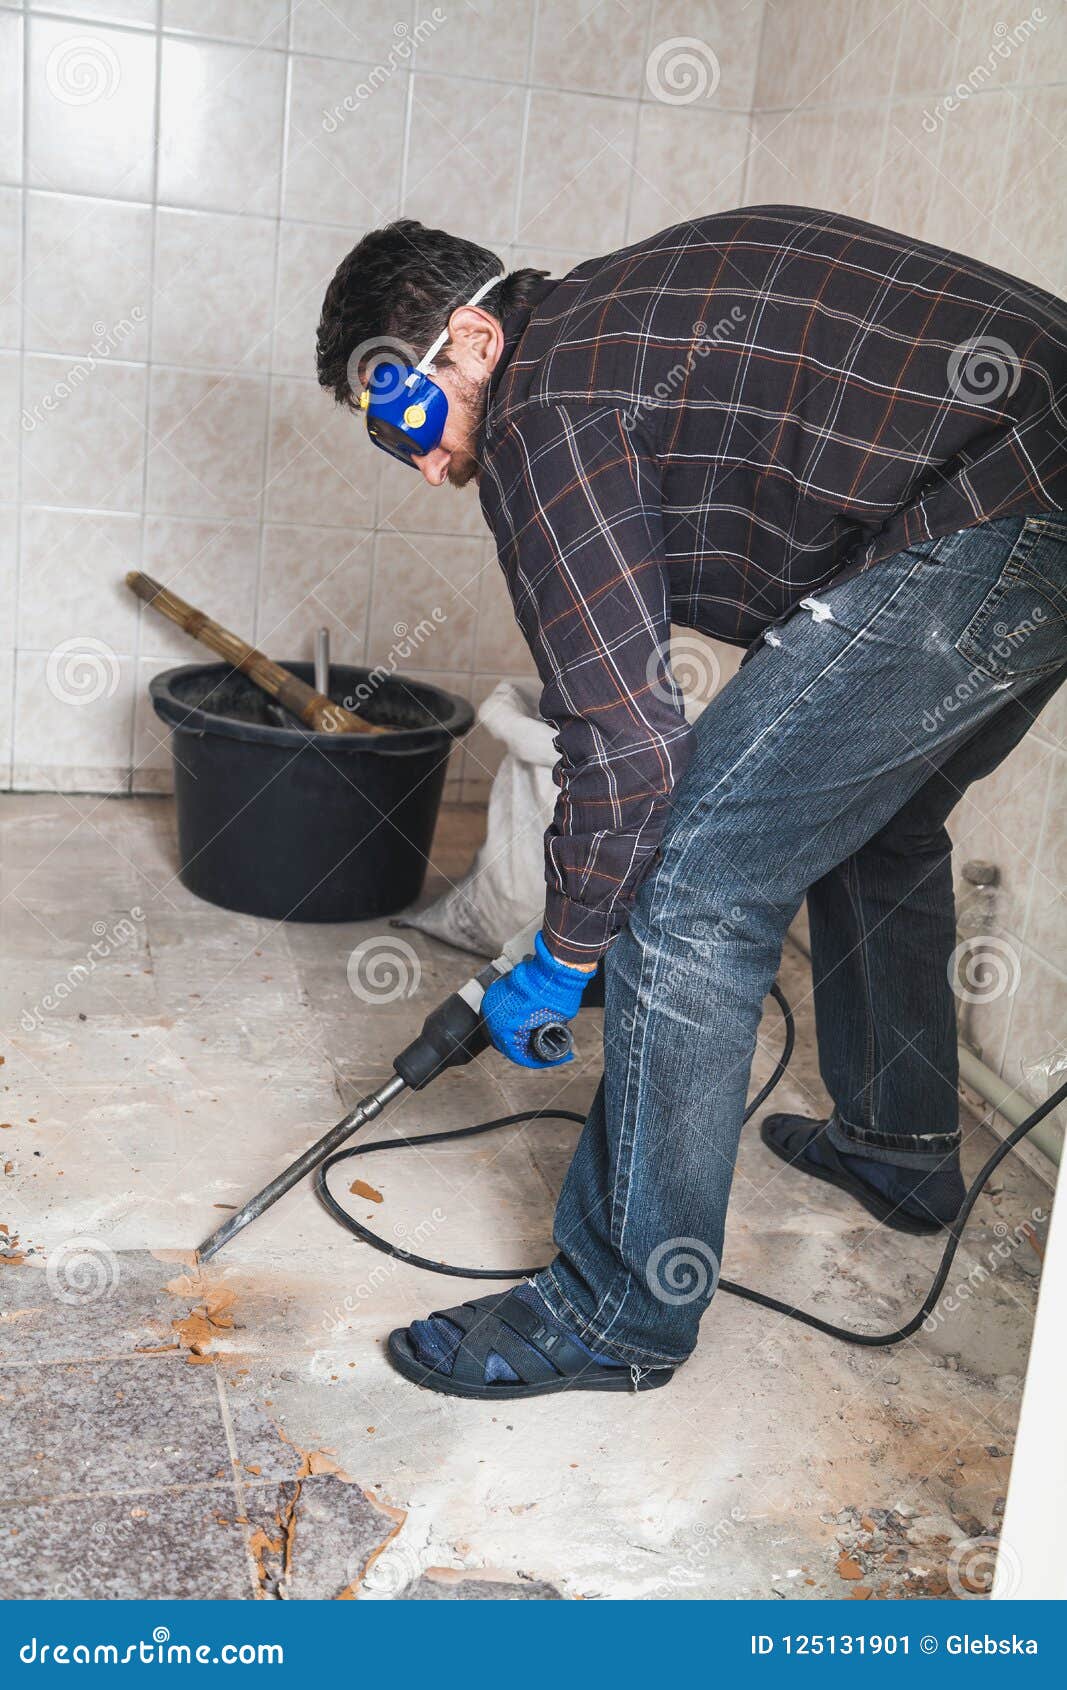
[(789, 1136), (544, 1357)]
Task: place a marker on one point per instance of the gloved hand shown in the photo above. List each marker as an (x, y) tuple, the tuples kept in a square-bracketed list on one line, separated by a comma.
[(536, 991)]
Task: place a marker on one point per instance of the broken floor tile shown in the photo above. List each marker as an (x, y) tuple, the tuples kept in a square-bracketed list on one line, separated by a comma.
[(81, 1299), (110, 1426), (313, 1538), (183, 1544)]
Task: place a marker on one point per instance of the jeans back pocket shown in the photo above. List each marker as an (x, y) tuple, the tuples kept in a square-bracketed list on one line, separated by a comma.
[(1019, 631)]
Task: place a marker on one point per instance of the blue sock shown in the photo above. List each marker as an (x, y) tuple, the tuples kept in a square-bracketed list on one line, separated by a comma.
[(435, 1341), (937, 1192)]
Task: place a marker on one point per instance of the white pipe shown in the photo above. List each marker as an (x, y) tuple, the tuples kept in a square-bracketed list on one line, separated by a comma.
[(1011, 1103)]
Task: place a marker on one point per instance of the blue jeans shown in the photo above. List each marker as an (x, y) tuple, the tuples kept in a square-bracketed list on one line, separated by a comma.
[(826, 768)]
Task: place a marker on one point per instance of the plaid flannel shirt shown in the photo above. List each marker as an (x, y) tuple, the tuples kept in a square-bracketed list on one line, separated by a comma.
[(710, 425)]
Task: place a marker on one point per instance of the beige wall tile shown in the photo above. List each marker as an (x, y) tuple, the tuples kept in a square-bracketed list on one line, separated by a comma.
[(479, 38), (88, 264), (10, 429), (690, 163), (91, 101), (1000, 45), (798, 58), (152, 764), (791, 159), (265, 23), (904, 189), (86, 446), (10, 261), (963, 204), (214, 566), (414, 577), (1046, 925), (314, 578), (731, 29), (357, 29), (929, 39), (74, 711), (319, 469), (579, 201), (1033, 195), (407, 502), (220, 126), (308, 255), (9, 539), (214, 292), (583, 44), (864, 69), (501, 646), (141, 12), (1038, 1026), (343, 159), (999, 821), (205, 453), (856, 160), (7, 678), (74, 565), (463, 158), (10, 97)]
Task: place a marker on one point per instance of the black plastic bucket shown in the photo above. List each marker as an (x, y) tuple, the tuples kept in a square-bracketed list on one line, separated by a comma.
[(278, 821)]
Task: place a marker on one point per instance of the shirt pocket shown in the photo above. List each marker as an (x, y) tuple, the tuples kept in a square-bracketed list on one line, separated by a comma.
[(1019, 631)]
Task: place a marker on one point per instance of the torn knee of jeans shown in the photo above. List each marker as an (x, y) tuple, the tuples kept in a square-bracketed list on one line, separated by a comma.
[(820, 612)]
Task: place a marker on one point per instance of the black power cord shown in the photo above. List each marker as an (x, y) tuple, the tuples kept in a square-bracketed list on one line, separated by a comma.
[(871, 1340)]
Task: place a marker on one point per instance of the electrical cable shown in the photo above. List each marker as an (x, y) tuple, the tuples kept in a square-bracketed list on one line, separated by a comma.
[(870, 1339)]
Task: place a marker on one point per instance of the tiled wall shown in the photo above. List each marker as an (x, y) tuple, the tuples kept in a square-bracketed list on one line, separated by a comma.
[(177, 183), (945, 118), (178, 179)]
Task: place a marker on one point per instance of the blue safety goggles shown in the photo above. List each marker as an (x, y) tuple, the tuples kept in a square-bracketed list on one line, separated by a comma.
[(405, 409)]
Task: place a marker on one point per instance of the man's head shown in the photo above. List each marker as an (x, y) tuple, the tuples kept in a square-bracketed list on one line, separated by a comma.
[(397, 291)]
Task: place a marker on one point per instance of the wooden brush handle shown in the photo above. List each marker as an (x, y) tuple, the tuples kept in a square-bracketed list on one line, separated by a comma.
[(313, 708)]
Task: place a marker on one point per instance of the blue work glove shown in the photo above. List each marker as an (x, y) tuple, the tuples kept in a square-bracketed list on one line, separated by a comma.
[(536, 991)]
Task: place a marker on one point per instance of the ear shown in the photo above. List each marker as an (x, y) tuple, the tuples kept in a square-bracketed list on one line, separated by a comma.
[(476, 340)]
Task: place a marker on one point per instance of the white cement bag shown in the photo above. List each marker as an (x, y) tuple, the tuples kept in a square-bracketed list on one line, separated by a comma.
[(504, 888)]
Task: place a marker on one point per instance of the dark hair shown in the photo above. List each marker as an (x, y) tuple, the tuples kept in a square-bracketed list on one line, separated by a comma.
[(401, 283)]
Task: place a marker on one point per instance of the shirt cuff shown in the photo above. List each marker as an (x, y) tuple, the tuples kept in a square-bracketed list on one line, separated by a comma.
[(576, 934)]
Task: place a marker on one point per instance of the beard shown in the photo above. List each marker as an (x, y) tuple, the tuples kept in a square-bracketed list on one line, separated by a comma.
[(471, 394)]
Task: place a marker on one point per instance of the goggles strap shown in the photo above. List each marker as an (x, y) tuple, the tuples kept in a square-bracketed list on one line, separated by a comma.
[(423, 365)]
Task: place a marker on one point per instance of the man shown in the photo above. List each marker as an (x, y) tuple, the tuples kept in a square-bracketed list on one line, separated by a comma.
[(843, 450)]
